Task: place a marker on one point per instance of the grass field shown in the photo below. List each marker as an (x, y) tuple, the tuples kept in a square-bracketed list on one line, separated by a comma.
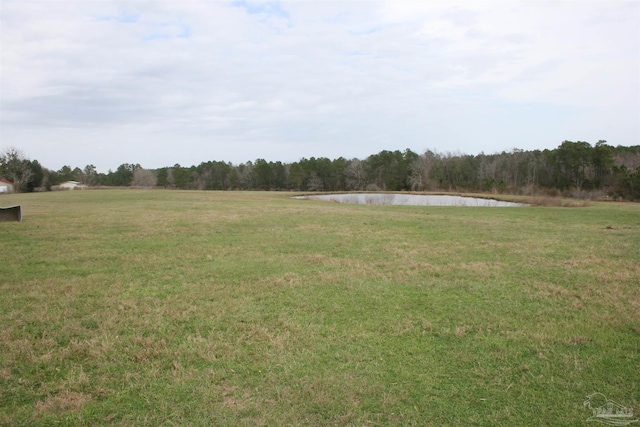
[(231, 308)]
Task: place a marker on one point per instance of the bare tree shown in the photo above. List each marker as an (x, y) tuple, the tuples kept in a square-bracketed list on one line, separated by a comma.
[(88, 175), (315, 182), (420, 170), (144, 178), (355, 175), (15, 167)]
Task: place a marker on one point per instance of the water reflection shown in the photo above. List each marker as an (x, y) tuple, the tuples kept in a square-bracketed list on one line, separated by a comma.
[(410, 200)]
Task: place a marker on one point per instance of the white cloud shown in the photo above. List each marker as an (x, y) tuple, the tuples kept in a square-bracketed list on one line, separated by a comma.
[(157, 82)]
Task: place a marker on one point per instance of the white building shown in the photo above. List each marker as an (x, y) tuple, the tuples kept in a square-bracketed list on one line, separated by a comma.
[(71, 185), (6, 186)]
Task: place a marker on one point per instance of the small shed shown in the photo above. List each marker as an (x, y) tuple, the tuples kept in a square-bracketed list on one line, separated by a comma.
[(6, 186)]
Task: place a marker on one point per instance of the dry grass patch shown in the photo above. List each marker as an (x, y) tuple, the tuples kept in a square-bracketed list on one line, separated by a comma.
[(62, 403)]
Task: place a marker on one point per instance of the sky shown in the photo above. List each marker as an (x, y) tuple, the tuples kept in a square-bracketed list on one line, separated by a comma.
[(162, 82)]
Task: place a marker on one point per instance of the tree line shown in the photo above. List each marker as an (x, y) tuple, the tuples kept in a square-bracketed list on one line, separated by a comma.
[(573, 168)]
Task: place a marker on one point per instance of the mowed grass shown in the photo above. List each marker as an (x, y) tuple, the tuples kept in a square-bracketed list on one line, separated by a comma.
[(232, 308)]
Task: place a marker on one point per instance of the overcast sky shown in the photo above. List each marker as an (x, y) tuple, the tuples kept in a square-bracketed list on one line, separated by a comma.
[(163, 82)]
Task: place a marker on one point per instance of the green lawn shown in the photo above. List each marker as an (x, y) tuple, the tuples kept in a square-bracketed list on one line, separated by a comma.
[(249, 308)]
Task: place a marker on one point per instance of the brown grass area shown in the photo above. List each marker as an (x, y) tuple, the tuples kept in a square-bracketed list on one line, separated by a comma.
[(621, 273), (63, 402), (5, 373), (556, 202), (611, 287), (547, 290), (482, 269)]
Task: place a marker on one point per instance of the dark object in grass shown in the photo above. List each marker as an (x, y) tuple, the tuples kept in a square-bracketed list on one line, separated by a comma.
[(11, 213)]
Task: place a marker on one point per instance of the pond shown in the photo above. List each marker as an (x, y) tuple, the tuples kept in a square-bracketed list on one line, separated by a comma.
[(410, 200)]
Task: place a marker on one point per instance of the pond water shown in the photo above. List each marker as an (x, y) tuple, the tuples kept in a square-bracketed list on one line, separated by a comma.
[(410, 200)]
